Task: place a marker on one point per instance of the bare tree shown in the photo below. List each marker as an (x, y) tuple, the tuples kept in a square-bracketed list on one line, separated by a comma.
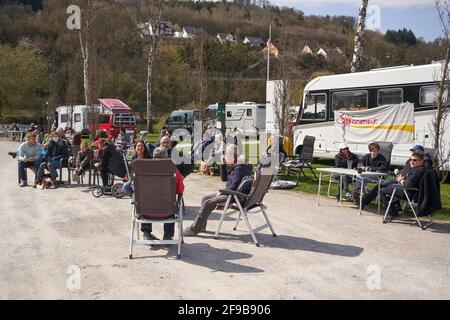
[(86, 36), (72, 90), (202, 75), (282, 98), (359, 37), (147, 17), (442, 103)]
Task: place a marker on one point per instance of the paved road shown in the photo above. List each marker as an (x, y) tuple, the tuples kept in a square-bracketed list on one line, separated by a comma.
[(326, 252)]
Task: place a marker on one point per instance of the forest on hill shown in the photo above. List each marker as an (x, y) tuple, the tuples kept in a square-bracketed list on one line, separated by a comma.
[(41, 60)]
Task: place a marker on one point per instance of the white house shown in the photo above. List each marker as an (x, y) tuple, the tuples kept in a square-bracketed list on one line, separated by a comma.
[(322, 52), (164, 28), (191, 32), (254, 41)]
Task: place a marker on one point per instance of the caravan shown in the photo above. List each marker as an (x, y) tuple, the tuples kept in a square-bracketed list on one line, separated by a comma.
[(75, 117), (248, 118)]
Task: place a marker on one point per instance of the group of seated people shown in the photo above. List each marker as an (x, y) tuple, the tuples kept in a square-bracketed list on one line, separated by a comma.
[(410, 176), (40, 157)]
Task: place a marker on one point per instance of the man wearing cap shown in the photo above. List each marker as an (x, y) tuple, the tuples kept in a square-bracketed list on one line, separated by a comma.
[(372, 194)]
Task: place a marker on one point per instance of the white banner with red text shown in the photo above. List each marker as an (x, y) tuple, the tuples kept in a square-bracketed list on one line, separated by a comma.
[(391, 123)]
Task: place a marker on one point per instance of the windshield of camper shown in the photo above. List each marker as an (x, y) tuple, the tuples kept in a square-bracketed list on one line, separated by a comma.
[(315, 107)]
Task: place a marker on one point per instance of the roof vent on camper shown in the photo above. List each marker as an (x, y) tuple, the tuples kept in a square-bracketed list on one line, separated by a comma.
[(396, 67)]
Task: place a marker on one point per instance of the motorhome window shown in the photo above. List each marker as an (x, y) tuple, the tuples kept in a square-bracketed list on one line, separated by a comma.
[(249, 112), (65, 117), (428, 95), (229, 114), (350, 100), (390, 96), (77, 117), (315, 107), (103, 119)]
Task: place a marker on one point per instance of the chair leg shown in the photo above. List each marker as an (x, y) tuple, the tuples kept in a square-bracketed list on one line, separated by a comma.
[(329, 188), (428, 223), (263, 210), (412, 208), (133, 225), (224, 212), (237, 221), (389, 206), (312, 170), (244, 215)]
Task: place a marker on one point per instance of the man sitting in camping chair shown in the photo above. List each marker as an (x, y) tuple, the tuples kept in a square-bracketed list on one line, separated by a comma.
[(233, 178), (410, 180)]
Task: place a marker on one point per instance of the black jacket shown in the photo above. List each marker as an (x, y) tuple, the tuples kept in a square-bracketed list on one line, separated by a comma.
[(378, 164), (341, 162), (429, 195), (113, 160), (235, 175), (413, 177)]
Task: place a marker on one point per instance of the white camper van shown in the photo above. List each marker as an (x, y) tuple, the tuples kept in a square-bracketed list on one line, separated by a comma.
[(75, 117), (249, 118), (363, 90)]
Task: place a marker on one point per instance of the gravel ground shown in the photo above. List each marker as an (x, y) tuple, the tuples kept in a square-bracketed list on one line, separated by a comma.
[(50, 239)]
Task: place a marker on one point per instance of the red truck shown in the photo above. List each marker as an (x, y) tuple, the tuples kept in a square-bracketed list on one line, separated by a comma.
[(115, 115)]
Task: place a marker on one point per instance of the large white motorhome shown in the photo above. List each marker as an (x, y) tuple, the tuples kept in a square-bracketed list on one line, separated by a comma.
[(324, 95), (249, 118)]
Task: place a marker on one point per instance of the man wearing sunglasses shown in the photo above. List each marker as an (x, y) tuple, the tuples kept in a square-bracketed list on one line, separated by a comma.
[(410, 180)]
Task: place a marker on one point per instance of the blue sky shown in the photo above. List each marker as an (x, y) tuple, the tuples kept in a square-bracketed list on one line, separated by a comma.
[(418, 15)]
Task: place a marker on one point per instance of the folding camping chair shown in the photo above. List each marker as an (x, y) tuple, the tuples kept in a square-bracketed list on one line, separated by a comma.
[(155, 199), (429, 177), (304, 160), (245, 204)]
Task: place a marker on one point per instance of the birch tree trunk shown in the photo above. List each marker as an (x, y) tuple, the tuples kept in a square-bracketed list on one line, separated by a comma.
[(359, 37), (84, 45), (442, 104), (151, 57)]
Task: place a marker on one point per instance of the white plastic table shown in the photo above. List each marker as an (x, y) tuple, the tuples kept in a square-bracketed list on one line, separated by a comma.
[(351, 172)]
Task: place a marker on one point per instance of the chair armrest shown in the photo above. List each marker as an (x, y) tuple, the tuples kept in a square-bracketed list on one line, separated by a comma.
[(233, 193), (405, 188)]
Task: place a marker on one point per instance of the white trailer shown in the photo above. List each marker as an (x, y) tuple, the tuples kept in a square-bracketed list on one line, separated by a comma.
[(249, 118), (75, 117), (362, 90)]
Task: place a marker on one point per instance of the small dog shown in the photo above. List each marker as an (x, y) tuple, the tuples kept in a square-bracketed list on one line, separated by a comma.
[(45, 182)]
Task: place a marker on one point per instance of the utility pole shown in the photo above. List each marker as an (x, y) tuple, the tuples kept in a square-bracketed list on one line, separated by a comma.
[(268, 52)]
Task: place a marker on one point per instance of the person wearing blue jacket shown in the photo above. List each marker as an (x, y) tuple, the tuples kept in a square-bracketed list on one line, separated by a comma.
[(57, 151), (233, 178)]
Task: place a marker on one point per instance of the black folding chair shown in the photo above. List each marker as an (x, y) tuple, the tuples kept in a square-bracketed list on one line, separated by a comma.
[(429, 181), (304, 159)]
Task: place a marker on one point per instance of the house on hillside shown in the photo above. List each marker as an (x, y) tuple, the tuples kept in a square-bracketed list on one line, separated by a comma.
[(191, 32), (227, 37), (162, 29), (322, 52), (254, 42), (273, 50), (307, 50)]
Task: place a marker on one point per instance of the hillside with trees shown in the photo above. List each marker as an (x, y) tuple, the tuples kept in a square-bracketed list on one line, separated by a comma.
[(41, 60)]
